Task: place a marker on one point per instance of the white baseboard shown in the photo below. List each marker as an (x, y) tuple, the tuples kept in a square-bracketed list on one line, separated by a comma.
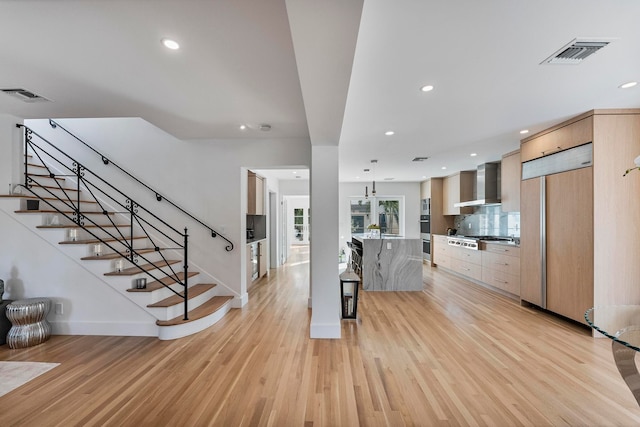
[(240, 301), (128, 329), (325, 330)]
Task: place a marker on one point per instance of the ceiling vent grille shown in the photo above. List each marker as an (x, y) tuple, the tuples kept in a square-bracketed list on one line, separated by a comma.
[(25, 95), (420, 159), (576, 51)]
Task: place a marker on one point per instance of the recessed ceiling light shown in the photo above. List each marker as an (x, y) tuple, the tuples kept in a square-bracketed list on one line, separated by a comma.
[(444, 167), (426, 88), (628, 85), (357, 177), (473, 154), (294, 172), (523, 131), (243, 127), (389, 132), (424, 177), (170, 44)]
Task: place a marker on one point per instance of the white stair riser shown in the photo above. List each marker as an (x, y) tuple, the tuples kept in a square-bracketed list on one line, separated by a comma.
[(183, 330), (168, 313)]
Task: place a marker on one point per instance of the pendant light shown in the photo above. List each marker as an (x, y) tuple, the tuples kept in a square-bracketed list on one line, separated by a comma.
[(373, 189)]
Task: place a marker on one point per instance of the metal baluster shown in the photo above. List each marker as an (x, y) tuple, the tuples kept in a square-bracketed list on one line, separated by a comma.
[(186, 276)]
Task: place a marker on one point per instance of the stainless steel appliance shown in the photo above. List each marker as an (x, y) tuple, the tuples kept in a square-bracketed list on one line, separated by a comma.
[(463, 242), (425, 205), (425, 235), (487, 186), (254, 260)]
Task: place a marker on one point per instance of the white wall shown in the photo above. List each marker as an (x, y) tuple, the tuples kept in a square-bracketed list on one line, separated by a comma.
[(207, 178), (410, 191), (34, 267), (11, 148)]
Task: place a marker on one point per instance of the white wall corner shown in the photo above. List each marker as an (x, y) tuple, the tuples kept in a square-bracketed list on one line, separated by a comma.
[(240, 301), (325, 330)]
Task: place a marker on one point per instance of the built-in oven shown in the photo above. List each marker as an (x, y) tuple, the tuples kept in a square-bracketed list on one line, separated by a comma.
[(425, 207), (425, 235)]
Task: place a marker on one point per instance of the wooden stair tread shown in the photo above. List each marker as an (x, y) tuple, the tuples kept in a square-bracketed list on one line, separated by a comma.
[(25, 196), (33, 165), (159, 284), (194, 291), (144, 267), (84, 226), (116, 255), (53, 187), (209, 307), (40, 175), (90, 241), (63, 212)]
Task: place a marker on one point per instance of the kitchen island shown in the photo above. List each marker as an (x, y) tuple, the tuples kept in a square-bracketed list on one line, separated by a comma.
[(390, 263)]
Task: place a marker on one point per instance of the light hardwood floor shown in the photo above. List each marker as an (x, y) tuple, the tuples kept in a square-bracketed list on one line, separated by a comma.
[(454, 354)]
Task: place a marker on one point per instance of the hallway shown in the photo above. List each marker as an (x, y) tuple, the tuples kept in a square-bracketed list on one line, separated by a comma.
[(454, 354)]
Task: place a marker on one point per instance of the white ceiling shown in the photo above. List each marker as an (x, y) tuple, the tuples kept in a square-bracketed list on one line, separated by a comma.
[(331, 70)]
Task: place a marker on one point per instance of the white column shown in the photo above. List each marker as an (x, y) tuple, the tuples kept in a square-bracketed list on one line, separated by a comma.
[(11, 152), (325, 282)]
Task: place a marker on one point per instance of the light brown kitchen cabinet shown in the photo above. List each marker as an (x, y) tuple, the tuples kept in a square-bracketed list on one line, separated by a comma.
[(255, 194), (440, 251), (510, 182), (501, 267), (457, 188), (425, 189), (575, 225), (557, 138), (262, 259)]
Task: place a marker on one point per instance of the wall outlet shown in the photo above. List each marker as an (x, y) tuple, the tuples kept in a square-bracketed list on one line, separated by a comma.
[(58, 308), (388, 245)]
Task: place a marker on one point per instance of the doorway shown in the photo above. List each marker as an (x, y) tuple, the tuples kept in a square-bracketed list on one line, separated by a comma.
[(298, 216)]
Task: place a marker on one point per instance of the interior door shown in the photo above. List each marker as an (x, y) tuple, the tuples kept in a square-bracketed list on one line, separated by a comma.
[(531, 249), (570, 242)]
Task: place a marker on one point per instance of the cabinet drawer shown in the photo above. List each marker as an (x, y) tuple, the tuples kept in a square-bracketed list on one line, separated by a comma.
[(500, 262), (502, 249), (467, 255), (498, 279), (442, 261), (468, 269)]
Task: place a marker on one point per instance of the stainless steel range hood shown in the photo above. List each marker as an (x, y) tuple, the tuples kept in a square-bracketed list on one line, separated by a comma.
[(487, 186)]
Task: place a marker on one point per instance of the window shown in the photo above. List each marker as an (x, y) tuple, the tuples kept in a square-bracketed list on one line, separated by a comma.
[(387, 212)]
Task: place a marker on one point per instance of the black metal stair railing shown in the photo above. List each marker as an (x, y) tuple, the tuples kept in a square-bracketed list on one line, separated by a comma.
[(159, 197), (140, 219)]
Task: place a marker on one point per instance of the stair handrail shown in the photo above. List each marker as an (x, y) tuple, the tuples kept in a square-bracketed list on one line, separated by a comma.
[(158, 196), (132, 206)]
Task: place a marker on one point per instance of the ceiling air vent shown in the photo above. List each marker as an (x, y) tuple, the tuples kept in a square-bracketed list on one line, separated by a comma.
[(24, 95), (576, 51), (420, 159)]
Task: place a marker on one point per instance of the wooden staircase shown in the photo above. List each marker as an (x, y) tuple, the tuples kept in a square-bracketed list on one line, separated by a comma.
[(163, 297)]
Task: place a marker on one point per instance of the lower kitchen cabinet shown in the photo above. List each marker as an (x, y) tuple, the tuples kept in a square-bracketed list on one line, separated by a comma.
[(497, 265), (501, 267)]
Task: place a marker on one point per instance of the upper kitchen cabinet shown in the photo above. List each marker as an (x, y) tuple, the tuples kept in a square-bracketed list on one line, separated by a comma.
[(425, 189), (558, 138), (457, 188), (255, 202), (578, 212), (510, 182)]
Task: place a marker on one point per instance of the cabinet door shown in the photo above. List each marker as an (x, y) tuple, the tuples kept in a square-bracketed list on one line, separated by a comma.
[(259, 195), (262, 259), (510, 182), (530, 242), (570, 243), (425, 189), (561, 138), (251, 193)]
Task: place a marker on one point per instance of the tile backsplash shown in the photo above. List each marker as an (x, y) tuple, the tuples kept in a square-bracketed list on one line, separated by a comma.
[(489, 221)]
